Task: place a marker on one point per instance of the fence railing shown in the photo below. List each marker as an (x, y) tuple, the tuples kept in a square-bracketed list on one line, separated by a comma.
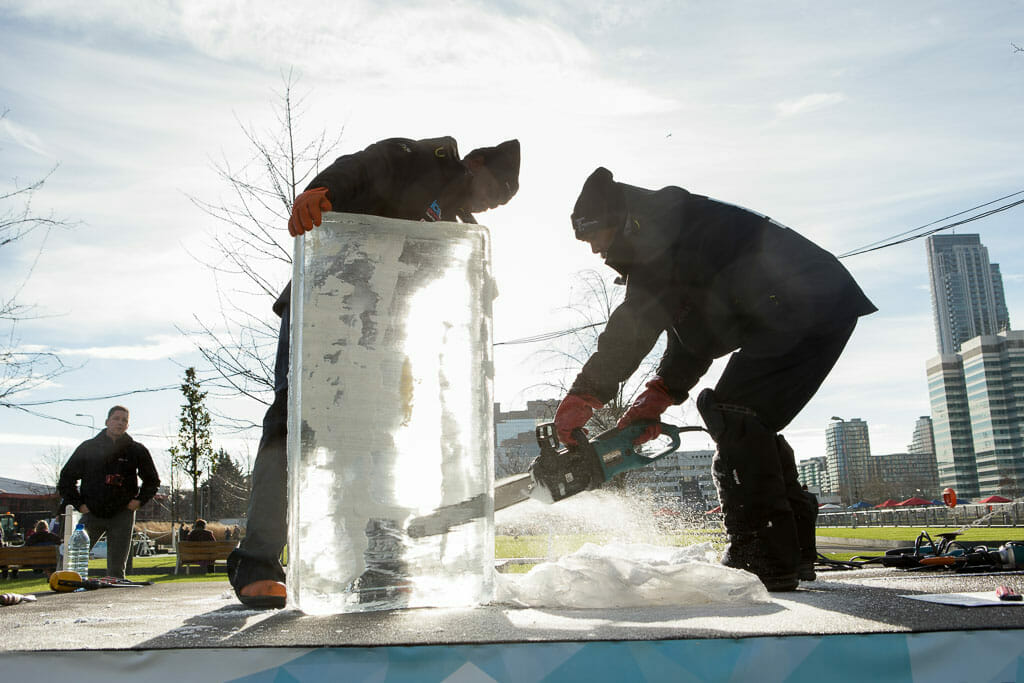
[(997, 514)]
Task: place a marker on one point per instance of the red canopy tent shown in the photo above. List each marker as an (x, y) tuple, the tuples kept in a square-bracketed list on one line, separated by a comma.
[(910, 502), (995, 499), (887, 504)]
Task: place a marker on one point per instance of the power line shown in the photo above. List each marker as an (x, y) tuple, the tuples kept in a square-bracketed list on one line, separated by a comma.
[(547, 336), (900, 239)]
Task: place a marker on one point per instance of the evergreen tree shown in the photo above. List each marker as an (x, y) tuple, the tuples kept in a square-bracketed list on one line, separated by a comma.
[(194, 453), (226, 490)]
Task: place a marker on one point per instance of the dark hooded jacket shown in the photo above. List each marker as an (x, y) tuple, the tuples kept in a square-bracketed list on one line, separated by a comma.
[(109, 472), (717, 278), (397, 178)]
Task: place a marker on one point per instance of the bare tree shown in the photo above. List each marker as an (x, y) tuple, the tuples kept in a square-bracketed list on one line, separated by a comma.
[(23, 369), (593, 301), (251, 250), (49, 464)]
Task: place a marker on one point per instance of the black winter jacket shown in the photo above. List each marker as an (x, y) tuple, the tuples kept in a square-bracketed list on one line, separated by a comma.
[(109, 472), (397, 178), (718, 278)]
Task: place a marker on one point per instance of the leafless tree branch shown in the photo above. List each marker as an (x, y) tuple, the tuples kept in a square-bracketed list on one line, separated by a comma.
[(250, 250)]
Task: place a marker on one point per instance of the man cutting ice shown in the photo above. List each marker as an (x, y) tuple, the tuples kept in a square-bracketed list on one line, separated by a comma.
[(720, 279), (420, 180)]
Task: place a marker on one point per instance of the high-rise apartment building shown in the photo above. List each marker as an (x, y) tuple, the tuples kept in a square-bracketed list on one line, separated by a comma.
[(923, 439), (813, 472), (683, 478), (967, 291), (515, 441), (977, 400), (951, 425), (847, 449), (994, 377)]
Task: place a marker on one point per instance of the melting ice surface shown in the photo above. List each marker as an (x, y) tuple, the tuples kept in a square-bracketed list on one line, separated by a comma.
[(389, 415), (632, 569)]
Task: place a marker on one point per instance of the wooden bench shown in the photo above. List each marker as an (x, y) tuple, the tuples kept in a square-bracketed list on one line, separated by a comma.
[(30, 557), (202, 553)]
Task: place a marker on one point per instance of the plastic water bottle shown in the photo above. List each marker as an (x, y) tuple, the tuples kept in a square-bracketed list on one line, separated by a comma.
[(78, 552)]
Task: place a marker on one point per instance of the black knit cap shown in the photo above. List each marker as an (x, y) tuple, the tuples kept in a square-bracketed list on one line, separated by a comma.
[(503, 162), (597, 205)]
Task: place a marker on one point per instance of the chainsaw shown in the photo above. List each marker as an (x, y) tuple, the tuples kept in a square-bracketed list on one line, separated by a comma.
[(557, 473)]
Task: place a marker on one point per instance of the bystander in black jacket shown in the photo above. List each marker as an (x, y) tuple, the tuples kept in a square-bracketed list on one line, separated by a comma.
[(109, 472)]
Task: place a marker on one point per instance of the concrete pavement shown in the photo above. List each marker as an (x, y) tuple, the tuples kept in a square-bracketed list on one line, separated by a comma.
[(206, 615)]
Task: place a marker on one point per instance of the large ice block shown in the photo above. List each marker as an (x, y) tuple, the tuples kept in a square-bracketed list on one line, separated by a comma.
[(390, 414)]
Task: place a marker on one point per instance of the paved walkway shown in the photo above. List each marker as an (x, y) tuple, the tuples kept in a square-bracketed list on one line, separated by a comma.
[(206, 615)]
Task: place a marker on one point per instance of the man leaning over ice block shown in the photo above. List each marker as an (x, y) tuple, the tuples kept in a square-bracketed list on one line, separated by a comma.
[(419, 180)]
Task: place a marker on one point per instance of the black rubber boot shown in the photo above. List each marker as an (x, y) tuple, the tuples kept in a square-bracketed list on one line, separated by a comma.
[(805, 511), (758, 518)]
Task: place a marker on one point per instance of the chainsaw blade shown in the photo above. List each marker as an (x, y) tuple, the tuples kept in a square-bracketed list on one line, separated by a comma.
[(508, 491)]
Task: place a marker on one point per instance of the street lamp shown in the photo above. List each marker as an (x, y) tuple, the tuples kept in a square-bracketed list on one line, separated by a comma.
[(92, 420)]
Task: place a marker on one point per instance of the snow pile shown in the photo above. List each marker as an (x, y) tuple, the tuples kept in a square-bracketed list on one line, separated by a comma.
[(631, 575)]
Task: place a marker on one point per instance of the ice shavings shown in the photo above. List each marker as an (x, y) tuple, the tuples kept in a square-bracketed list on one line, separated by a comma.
[(620, 575)]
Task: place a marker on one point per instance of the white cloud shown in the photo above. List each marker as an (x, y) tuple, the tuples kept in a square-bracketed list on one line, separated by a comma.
[(24, 137), (809, 103), (21, 439), (155, 347)]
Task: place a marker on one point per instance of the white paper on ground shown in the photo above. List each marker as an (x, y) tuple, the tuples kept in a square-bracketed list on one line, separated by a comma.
[(620, 575), (982, 599)]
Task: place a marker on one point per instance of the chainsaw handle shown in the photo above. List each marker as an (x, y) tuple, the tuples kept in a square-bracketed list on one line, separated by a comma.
[(635, 429)]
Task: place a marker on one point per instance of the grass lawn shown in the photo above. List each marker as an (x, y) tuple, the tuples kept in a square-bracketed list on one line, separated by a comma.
[(557, 545), (159, 568), (979, 534), (155, 568)]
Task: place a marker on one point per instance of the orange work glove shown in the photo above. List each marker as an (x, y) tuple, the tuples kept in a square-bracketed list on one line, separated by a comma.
[(307, 210), (648, 406), (573, 412)]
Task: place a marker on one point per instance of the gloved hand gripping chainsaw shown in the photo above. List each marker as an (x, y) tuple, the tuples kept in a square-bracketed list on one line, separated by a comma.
[(557, 473)]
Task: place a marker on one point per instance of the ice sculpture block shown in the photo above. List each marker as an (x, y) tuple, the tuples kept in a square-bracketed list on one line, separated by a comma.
[(390, 414)]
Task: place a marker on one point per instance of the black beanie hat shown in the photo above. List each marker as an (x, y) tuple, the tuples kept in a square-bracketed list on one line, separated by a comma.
[(503, 162), (597, 205)]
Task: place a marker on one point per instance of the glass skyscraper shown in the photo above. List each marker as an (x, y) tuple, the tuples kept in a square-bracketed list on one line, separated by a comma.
[(967, 291)]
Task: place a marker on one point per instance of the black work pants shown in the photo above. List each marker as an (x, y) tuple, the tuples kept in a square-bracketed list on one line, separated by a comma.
[(768, 516), (266, 530)]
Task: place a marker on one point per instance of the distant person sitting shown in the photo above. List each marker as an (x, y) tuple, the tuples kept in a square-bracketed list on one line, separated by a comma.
[(200, 532), (41, 536), (203, 535)]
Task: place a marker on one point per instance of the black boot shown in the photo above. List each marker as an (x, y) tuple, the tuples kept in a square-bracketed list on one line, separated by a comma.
[(261, 580), (805, 511), (758, 518)]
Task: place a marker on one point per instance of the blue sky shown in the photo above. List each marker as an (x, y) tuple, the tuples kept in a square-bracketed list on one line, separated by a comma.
[(847, 122)]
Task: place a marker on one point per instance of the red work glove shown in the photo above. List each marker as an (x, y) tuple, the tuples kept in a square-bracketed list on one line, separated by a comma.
[(648, 406), (307, 209), (573, 412)]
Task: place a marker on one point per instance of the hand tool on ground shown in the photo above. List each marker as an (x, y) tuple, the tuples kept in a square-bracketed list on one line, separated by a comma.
[(948, 553), (557, 473), (67, 581)]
